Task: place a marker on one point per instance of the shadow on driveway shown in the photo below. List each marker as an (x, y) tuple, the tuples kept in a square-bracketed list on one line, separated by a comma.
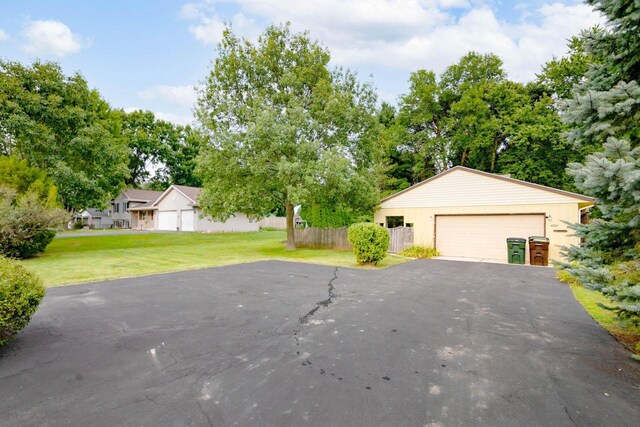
[(430, 342)]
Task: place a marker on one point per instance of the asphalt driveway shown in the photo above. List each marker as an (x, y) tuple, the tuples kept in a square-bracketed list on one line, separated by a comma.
[(435, 343)]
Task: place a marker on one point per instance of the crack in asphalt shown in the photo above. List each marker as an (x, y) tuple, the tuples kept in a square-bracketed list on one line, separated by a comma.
[(303, 320), (566, 411), (204, 413), (323, 303)]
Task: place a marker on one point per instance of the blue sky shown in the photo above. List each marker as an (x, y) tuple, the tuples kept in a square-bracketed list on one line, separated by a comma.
[(150, 54)]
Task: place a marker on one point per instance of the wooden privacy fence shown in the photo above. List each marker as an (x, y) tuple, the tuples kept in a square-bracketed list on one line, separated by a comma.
[(325, 238), (279, 222), (400, 238), (336, 238)]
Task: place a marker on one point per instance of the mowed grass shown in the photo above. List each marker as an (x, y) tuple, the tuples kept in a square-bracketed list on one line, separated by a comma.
[(624, 332), (83, 259)]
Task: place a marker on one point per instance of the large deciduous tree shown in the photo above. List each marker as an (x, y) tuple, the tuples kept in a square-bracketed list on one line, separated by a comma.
[(605, 111), (56, 123), (284, 129), (142, 133), (179, 148)]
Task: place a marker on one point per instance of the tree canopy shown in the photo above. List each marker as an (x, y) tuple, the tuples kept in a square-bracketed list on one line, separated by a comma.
[(160, 153), (284, 129), (473, 115), (56, 123)]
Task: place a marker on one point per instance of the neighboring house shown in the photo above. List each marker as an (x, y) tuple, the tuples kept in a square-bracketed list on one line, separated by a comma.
[(468, 213), (128, 199), (94, 218), (177, 210)]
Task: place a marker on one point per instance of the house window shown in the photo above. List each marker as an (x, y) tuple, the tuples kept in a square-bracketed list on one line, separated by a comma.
[(116, 208), (125, 205), (409, 224), (395, 221)]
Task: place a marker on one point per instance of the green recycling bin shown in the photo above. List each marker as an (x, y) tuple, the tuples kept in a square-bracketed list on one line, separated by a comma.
[(516, 250)]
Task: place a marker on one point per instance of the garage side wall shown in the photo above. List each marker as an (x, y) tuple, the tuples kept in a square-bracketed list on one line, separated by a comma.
[(423, 220), (237, 223)]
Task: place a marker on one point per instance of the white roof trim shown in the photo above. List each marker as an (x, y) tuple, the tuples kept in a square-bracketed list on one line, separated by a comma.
[(167, 191)]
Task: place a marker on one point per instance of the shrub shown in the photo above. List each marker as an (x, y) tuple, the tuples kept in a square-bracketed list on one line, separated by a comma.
[(27, 225), (420, 252), (20, 294), (370, 242), (78, 225), (566, 277)]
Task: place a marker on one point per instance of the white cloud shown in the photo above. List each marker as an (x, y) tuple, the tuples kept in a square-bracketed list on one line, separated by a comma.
[(409, 34), (177, 95), (209, 25), (174, 118), (52, 37), (177, 119), (3, 35)]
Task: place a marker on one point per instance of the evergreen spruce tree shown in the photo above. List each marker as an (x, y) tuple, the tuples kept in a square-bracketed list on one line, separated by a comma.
[(605, 112)]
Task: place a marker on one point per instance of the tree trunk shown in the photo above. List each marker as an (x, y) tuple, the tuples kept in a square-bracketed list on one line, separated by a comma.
[(464, 157), (291, 244)]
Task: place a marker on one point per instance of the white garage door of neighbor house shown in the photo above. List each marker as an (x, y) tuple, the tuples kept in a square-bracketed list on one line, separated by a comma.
[(187, 220), (484, 236), (167, 220)]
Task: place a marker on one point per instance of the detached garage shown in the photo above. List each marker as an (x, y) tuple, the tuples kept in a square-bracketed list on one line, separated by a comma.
[(469, 214), (177, 210)]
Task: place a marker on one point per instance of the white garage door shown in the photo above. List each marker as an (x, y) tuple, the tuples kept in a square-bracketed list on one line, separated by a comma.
[(167, 220), (483, 236), (187, 219)]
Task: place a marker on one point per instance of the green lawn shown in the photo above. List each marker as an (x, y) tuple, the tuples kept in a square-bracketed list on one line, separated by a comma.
[(82, 259), (624, 332)]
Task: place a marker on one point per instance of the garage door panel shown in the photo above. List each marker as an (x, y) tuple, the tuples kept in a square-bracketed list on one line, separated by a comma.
[(484, 236), (187, 220), (167, 220)]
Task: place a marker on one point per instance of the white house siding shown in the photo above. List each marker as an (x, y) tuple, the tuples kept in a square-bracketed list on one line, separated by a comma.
[(464, 188)]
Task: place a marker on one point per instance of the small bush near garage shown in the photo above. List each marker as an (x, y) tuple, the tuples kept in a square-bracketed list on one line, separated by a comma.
[(20, 294), (420, 252), (370, 242)]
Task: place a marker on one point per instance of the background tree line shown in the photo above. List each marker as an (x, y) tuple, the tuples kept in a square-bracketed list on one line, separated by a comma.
[(473, 115), (470, 115), (88, 149), (63, 149)]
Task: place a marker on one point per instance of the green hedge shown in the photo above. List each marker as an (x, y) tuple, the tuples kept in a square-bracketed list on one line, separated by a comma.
[(370, 242), (323, 217), (20, 294)]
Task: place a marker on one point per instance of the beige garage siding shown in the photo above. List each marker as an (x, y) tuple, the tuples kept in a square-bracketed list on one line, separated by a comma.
[(484, 236)]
